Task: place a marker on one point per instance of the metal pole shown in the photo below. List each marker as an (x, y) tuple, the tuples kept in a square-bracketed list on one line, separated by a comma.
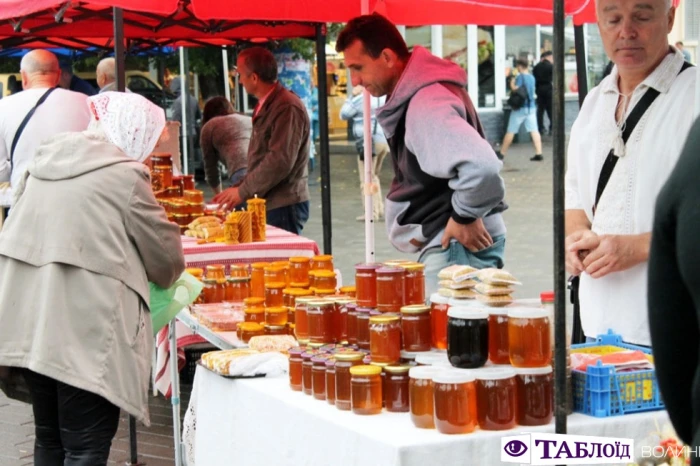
[(558, 175), (224, 59), (581, 68), (183, 106), (323, 126), (175, 391), (369, 208), (119, 55)]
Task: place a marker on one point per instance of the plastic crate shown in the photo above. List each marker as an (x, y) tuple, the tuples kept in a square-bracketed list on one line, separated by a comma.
[(193, 354), (601, 392)]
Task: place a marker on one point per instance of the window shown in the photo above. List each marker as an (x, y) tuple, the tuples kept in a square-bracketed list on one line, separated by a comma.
[(692, 20), (137, 83), (487, 67)]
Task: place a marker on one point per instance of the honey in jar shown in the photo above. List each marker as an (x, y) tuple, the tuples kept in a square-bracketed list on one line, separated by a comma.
[(438, 320), (254, 314), (257, 279), (390, 289), (249, 330), (299, 271), (323, 262), (213, 291), (340, 322), (276, 315), (535, 404), (301, 317), (385, 338), (343, 363), (349, 291), (318, 375), (414, 283), (467, 337), (351, 323), (216, 271), (275, 274), (307, 371), (275, 329), (363, 315), (528, 337), (161, 177), (324, 293), (295, 362), (499, 349), (194, 195), (330, 381), (273, 294), (188, 182), (237, 289), (415, 327), (366, 389), (366, 284), (396, 388), (178, 183), (318, 315), (454, 396), (420, 394), (238, 271), (294, 293), (290, 328), (496, 398), (325, 280), (312, 280)]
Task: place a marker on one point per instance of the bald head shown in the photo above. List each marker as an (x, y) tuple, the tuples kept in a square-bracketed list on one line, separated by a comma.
[(39, 68), (106, 72)]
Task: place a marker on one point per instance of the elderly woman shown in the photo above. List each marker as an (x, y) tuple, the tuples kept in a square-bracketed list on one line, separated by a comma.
[(85, 237)]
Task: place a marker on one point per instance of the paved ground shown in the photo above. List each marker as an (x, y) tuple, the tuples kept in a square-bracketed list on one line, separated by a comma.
[(528, 256)]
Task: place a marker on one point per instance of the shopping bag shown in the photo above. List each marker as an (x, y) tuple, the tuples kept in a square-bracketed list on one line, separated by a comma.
[(167, 303)]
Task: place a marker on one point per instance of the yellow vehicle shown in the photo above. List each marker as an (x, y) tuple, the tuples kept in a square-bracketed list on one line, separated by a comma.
[(10, 83)]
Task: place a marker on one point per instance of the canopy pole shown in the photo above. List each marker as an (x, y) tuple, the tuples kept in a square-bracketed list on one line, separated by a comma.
[(323, 127), (224, 59), (558, 175), (581, 68), (370, 255), (183, 106), (119, 56)]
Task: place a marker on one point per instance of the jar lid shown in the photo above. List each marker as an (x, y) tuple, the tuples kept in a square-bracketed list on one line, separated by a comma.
[(324, 292), (455, 376), (250, 326), (299, 260), (305, 299), (320, 358), (351, 306), (411, 355), (283, 264), (365, 370), (461, 312), (254, 310), (318, 302), (325, 274), (210, 281), (364, 310), (237, 267), (308, 354), (425, 372), (322, 258), (497, 311), (429, 358), (295, 351), (215, 267), (384, 319), (494, 373), (348, 289), (195, 271), (547, 297), (259, 265), (349, 356), (525, 313), (299, 285), (277, 328), (397, 369), (415, 309), (397, 262), (343, 300), (316, 345), (436, 298), (533, 370), (412, 266), (330, 363), (390, 270), (253, 301), (274, 269), (238, 279), (378, 364), (303, 342), (276, 285), (367, 266), (276, 310), (300, 292)]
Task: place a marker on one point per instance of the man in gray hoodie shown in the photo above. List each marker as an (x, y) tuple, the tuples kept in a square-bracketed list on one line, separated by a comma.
[(447, 195)]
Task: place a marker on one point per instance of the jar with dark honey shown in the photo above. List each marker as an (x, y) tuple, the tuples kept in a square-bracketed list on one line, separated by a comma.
[(366, 389), (496, 398), (396, 388), (467, 337), (454, 397), (343, 363)]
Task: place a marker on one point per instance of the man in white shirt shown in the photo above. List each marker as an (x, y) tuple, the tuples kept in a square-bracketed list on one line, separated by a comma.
[(63, 111), (607, 245)]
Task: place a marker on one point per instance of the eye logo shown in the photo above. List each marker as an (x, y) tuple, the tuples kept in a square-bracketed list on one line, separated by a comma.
[(515, 448)]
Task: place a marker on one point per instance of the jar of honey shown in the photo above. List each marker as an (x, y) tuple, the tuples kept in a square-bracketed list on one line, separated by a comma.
[(349, 291), (325, 280), (499, 349), (290, 328), (324, 293), (343, 363), (390, 289), (467, 337), (420, 394), (294, 293), (385, 338), (318, 375), (351, 323), (496, 398), (528, 337), (248, 330), (363, 315), (238, 271), (257, 279), (414, 283), (178, 183), (455, 402), (194, 195), (307, 371), (535, 396), (299, 271), (366, 389), (161, 177), (216, 271), (275, 329), (213, 292), (396, 388), (188, 182), (273, 294), (312, 280), (340, 326), (366, 284), (301, 317), (438, 320), (330, 381), (323, 262), (295, 362), (237, 289), (319, 313), (275, 274), (276, 315), (415, 327), (254, 314)]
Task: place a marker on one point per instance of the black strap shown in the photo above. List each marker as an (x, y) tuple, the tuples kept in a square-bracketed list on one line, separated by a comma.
[(637, 113), (25, 121)]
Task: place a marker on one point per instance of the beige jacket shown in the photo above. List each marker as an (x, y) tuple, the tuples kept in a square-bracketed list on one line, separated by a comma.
[(76, 254)]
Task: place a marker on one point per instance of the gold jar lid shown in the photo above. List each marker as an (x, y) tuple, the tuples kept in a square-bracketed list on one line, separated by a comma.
[(322, 258), (238, 279), (254, 310), (259, 265), (348, 289), (415, 309), (397, 369), (276, 310), (274, 268), (276, 285), (320, 303), (315, 345), (365, 370), (325, 274), (384, 319), (299, 292), (379, 364), (354, 356), (283, 264), (277, 328), (343, 300), (181, 215), (299, 260), (412, 266), (252, 301), (250, 326)]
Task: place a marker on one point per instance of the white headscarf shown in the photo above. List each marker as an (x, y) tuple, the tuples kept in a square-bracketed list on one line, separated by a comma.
[(128, 121)]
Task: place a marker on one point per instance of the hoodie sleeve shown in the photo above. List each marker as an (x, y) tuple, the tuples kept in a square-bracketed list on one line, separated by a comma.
[(447, 146)]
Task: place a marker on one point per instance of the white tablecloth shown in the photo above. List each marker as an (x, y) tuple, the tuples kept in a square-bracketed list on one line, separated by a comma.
[(263, 422)]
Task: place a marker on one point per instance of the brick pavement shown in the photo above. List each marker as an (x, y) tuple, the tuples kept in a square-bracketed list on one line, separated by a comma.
[(528, 256)]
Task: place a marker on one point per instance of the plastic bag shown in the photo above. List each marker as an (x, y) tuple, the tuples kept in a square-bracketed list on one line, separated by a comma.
[(167, 303)]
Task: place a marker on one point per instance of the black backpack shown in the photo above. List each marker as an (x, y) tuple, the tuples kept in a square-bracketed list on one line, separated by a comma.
[(518, 98)]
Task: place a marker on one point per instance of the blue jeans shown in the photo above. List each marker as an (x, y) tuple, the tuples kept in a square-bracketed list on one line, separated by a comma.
[(436, 259), (290, 218)]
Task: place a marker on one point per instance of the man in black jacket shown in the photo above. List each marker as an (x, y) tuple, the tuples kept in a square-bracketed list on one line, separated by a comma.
[(543, 87)]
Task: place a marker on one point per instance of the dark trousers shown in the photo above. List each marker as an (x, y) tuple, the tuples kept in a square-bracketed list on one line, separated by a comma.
[(290, 218), (73, 427), (544, 104)]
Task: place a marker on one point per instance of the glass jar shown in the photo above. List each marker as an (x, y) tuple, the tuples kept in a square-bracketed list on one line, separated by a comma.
[(343, 363), (213, 291), (295, 363), (237, 289), (535, 396), (238, 271), (161, 177), (290, 328), (415, 327), (385, 338), (366, 389), (301, 317), (528, 337), (438, 320), (323, 262), (273, 294), (251, 303), (318, 315), (420, 394), (366, 284), (325, 280), (499, 349), (178, 182), (188, 182), (455, 402), (295, 293), (254, 314), (194, 195), (307, 371), (275, 274), (414, 283), (299, 271), (349, 291), (340, 325), (275, 329), (396, 389), (363, 315), (248, 330), (312, 280), (216, 271), (257, 279), (351, 323), (467, 337), (276, 315), (496, 398), (318, 375), (330, 381), (390, 289)]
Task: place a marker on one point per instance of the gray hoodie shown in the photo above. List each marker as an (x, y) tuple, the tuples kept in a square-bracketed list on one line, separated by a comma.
[(443, 165)]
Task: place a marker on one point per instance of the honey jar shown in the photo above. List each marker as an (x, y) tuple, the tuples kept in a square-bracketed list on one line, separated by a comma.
[(366, 284), (330, 381), (188, 182), (301, 317), (319, 316), (363, 315), (414, 283), (415, 326), (455, 402), (299, 271), (276, 315), (535, 404), (248, 330), (390, 289), (275, 274), (351, 323), (528, 337), (194, 196), (238, 271), (295, 362), (467, 337), (307, 371), (349, 291), (257, 279), (273, 294), (385, 338), (396, 388), (420, 394), (496, 398), (343, 363), (216, 271), (438, 320), (323, 262), (318, 375), (237, 289), (366, 389), (325, 280), (213, 292), (499, 348)]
